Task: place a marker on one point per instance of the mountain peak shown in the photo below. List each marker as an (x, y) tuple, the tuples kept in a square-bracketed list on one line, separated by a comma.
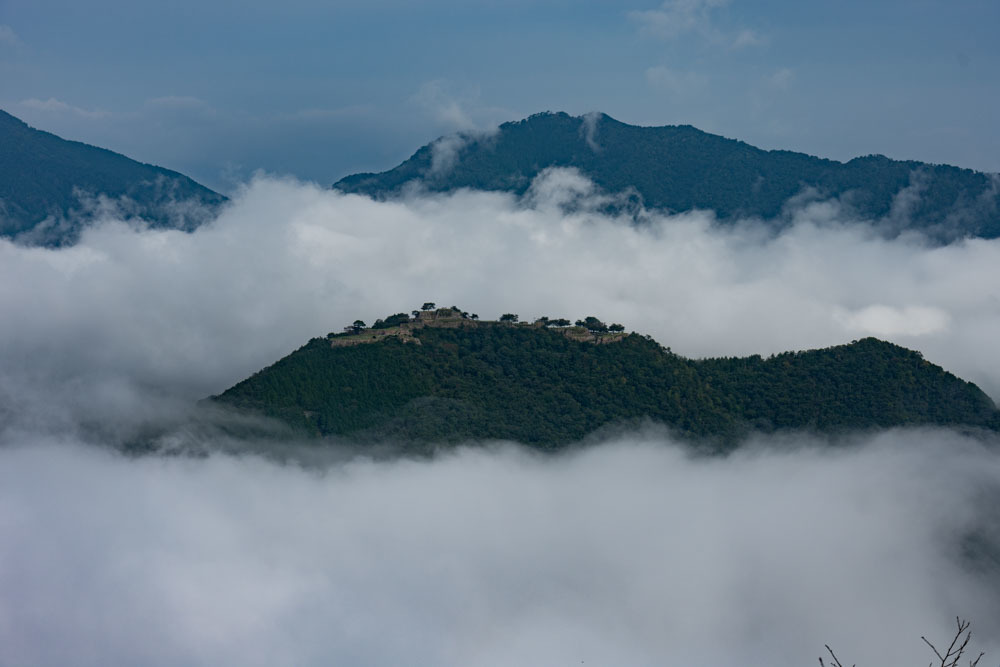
[(46, 184), (679, 168)]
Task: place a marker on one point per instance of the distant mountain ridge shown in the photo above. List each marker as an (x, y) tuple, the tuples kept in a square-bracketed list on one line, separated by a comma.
[(444, 376), (50, 187), (681, 168)]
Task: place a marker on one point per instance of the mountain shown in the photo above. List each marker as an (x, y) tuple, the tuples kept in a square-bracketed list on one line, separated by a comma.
[(446, 377), (49, 187), (680, 168)]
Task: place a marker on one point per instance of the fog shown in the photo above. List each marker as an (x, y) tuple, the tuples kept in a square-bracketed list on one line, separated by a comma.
[(193, 313), (626, 553), (631, 550)]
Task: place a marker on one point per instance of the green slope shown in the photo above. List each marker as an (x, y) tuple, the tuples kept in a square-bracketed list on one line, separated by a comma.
[(680, 168), (42, 178), (537, 386)]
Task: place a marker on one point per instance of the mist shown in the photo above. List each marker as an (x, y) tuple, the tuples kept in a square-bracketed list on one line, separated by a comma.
[(627, 553), (190, 314), (628, 550)]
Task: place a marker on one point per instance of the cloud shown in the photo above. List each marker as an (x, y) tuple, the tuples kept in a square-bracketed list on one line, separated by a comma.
[(781, 78), (456, 108), (677, 17), (588, 129), (461, 114), (678, 84), (674, 19), (556, 190), (8, 37), (748, 38), (52, 105), (438, 98), (191, 314), (882, 321), (179, 103), (445, 152), (623, 553)]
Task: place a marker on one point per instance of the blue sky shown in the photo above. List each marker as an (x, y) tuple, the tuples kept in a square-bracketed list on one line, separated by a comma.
[(219, 88)]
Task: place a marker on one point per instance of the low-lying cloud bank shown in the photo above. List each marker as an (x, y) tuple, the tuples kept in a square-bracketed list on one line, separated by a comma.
[(627, 553), (186, 315)]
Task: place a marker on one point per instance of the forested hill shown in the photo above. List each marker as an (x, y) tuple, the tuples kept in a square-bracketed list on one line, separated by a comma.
[(547, 386), (49, 187), (680, 168)]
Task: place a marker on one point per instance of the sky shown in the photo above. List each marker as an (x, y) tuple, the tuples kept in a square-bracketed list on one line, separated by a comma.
[(219, 89)]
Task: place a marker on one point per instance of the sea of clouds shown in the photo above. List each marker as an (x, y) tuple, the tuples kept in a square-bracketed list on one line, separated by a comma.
[(630, 551)]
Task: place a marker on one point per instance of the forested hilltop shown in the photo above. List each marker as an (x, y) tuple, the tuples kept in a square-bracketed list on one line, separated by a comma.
[(49, 187), (680, 168), (443, 375)]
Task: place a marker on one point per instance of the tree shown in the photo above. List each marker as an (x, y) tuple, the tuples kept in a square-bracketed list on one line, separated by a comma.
[(508, 317), (592, 324), (415, 313), (956, 649), (396, 320), (474, 316), (616, 327), (428, 306), (561, 322), (357, 326)]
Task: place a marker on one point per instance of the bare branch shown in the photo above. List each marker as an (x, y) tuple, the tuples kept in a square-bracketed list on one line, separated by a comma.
[(940, 657), (956, 649), (836, 661)]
